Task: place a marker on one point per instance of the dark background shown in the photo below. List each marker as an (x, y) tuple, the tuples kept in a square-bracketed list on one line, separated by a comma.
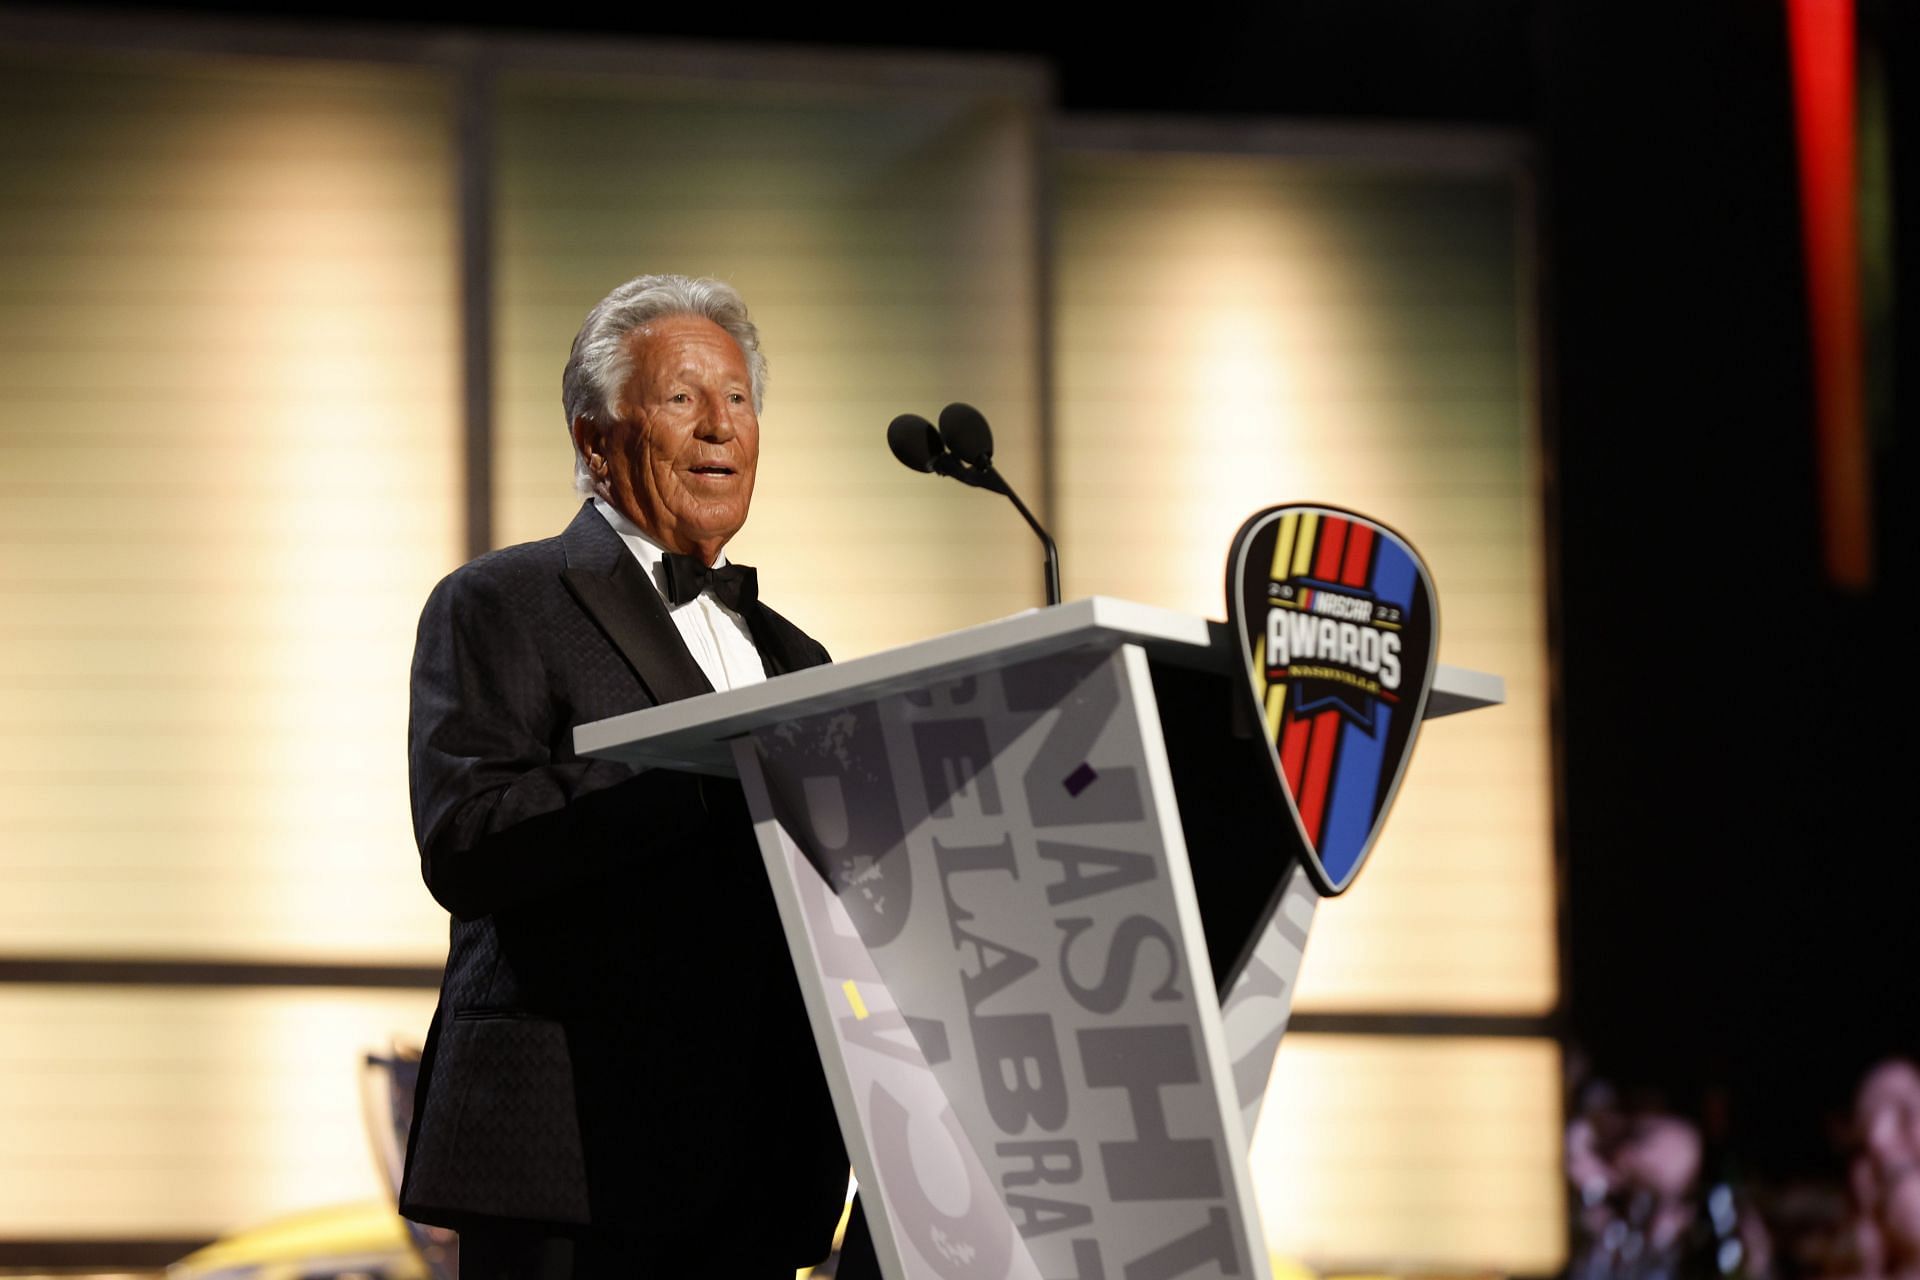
[(1740, 898)]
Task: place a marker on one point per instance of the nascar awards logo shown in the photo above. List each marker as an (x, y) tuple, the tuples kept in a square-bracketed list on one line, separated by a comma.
[(1337, 624)]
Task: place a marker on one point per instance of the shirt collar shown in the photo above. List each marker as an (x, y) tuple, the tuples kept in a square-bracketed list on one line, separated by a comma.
[(650, 554)]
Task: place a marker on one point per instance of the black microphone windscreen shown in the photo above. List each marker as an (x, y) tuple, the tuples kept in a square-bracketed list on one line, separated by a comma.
[(967, 434), (915, 441)]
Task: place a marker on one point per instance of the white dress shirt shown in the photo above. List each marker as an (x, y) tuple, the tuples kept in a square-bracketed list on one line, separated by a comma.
[(716, 635)]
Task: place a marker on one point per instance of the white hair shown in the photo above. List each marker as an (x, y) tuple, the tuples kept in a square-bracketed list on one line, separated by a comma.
[(600, 363)]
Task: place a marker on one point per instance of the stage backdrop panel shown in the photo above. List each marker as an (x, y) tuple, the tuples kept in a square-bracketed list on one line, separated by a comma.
[(175, 1114), (228, 478), (886, 240), (1398, 1155), (1238, 330)]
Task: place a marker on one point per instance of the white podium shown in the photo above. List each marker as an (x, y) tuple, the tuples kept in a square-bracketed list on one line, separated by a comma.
[(1047, 917)]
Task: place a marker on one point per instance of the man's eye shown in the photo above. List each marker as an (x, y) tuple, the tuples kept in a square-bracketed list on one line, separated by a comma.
[(680, 397), (737, 398)]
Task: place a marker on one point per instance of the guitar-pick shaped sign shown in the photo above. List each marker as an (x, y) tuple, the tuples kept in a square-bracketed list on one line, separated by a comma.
[(1337, 624)]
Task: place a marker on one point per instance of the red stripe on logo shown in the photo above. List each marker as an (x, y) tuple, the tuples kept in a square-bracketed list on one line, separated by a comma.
[(1313, 790), (1359, 551), (1333, 536), (1293, 751)]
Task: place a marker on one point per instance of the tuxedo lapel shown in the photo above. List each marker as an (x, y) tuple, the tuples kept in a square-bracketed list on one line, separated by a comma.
[(779, 650), (612, 587)]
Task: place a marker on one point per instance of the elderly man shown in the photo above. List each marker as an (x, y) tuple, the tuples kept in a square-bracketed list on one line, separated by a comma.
[(620, 1077)]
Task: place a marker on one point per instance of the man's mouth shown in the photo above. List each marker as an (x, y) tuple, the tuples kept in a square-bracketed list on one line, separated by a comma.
[(715, 470)]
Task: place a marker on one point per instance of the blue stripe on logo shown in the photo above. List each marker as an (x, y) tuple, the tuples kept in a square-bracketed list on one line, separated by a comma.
[(1350, 811), (1392, 572)]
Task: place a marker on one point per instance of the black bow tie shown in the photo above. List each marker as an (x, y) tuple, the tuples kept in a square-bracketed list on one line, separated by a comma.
[(736, 586)]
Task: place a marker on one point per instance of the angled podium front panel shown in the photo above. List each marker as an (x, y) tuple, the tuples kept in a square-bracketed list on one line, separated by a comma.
[(1017, 865), (991, 884)]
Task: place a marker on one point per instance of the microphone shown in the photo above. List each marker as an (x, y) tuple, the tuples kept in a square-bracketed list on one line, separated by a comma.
[(961, 447), (965, 430), (915, 441), (970, 439)]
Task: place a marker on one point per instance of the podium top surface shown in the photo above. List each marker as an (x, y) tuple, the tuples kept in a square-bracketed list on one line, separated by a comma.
[(693, 733)]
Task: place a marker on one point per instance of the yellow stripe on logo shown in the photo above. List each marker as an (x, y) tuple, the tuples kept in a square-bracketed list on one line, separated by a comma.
[(1276, 704), (1283, 545), (1303, 544), (858, 1005), (1260, 665)]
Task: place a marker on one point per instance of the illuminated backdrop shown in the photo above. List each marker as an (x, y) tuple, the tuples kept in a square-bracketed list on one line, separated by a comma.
[(1235, 330), (231, 466)]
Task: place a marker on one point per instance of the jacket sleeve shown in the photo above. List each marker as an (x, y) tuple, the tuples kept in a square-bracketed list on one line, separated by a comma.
[(500, 821)]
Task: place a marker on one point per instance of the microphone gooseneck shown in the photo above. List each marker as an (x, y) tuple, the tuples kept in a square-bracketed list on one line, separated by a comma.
[(961, 448)]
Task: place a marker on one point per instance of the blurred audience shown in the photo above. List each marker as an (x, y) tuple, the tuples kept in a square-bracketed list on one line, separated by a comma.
[(1646, 1207), (1655, 1199), (1883, 1176)]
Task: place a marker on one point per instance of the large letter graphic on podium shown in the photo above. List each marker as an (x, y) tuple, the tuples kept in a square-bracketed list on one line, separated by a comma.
[(993, 871)]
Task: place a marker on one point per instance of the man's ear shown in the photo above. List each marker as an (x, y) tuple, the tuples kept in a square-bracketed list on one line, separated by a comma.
[(590, 445)]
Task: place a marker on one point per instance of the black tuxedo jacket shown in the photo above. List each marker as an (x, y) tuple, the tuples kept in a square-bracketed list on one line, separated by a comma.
[(620, 1042)]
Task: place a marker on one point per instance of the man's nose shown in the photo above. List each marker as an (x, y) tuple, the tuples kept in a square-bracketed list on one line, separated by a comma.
[(718, 422)]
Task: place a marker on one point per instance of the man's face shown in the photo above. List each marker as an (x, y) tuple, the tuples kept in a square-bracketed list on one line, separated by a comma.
[(680, 462)]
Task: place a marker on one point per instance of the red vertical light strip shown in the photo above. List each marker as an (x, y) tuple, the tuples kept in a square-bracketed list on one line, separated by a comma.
[(1820, 34)]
